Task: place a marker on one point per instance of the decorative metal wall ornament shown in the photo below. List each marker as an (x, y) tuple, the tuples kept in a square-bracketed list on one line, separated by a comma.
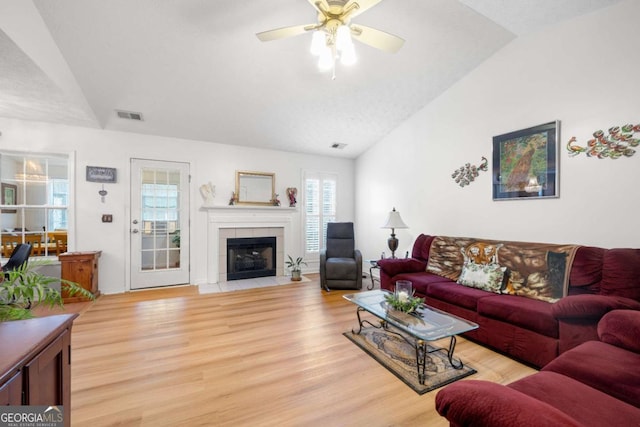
[(103, 193), (466, 174), (615, 145)]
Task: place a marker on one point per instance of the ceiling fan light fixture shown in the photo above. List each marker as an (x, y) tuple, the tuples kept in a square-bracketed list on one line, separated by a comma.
[(318, 42), (343, 38), (333, 33), (326, 60)]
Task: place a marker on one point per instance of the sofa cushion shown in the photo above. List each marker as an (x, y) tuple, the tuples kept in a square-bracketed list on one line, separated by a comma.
[(486, 404), (622, 329), (605, 367), (586, 405), (621, 273), (488, 277), (396, 266), (591, 306), (586, 270), (341, 268), (527, 313), (420, 281), (454, 293), (421, 247)]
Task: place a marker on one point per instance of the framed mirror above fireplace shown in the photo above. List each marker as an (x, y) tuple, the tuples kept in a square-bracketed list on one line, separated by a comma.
[(255, 188)]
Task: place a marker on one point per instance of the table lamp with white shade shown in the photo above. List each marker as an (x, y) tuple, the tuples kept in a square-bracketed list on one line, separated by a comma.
[(394, 221)]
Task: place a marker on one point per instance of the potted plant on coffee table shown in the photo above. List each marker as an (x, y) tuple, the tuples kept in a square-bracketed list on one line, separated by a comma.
[(294, 267)]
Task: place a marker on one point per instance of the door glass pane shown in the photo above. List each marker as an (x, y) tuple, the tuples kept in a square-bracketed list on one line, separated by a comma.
[(160, 249), (174, 178), (161, 259)]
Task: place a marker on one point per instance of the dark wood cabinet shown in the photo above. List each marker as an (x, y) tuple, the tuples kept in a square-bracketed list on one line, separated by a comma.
[(35, 362), (44, 380), (11, 391), (82, 268)]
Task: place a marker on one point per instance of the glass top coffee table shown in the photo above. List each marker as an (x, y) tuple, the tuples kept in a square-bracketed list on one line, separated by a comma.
[(425, 324)]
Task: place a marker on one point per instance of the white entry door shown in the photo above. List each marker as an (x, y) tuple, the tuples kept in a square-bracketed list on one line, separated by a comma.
[(159, 223)]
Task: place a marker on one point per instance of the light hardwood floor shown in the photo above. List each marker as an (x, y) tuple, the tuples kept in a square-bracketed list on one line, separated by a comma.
[(263, 357)]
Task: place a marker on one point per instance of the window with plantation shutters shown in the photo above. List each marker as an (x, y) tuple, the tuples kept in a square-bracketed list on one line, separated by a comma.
[(319, 209)]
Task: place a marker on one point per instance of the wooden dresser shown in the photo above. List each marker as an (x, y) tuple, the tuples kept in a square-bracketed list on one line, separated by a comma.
[(35, 362), (82, 268)]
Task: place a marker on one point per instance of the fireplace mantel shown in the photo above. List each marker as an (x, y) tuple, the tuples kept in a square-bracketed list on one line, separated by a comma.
[(248, 208), (243, 216)]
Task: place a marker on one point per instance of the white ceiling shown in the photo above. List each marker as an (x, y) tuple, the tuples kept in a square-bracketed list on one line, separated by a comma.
[(195, 69)]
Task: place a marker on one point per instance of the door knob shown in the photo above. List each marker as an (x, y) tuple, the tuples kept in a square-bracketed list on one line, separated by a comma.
[(135, 230), (135, 221)]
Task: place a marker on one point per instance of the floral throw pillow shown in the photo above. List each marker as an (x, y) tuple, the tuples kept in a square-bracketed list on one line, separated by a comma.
[(488, 277)]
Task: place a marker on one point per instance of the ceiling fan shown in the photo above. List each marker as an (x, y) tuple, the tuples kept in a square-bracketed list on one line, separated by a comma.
[(333, 32)]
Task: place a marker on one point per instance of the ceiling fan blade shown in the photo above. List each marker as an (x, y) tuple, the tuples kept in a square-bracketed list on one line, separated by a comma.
[(363, 6), (376, 38), (319, 8), (281, 33)]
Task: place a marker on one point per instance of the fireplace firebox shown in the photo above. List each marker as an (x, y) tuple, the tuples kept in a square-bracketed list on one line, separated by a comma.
[(251, 257)]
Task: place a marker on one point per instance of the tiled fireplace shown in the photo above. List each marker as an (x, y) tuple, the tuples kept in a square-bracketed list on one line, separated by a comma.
[(240, 222), (250, 257), (226, 267)]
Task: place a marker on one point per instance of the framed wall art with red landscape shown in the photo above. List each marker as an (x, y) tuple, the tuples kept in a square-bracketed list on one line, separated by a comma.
[(526, 163)]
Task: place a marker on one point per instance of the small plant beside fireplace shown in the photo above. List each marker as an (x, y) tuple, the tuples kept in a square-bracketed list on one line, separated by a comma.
[(294, 267)]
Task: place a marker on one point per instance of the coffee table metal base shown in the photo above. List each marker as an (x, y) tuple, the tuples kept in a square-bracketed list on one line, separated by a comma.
[(421, 347)]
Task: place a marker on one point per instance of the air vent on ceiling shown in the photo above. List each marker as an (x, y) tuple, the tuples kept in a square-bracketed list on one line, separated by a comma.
[(131, 115), (338, 145)]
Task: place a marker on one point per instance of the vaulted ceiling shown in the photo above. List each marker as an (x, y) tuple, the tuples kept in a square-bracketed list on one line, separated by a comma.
[(196, 70)]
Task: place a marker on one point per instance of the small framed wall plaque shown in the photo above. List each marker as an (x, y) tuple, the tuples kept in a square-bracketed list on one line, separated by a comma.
[(100, 174)]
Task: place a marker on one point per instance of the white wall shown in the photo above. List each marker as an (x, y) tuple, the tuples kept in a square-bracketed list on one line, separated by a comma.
[(583, 73), (212, 162)]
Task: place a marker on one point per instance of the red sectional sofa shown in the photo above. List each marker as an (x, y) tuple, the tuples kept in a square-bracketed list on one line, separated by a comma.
[(531, 330), (594, 384)]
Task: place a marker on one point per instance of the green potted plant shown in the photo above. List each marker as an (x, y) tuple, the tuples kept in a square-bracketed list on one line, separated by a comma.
[(176, 239), (24, 288), (294, 267)]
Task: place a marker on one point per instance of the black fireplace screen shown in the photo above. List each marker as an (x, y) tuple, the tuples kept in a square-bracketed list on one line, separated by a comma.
[(251, 257)]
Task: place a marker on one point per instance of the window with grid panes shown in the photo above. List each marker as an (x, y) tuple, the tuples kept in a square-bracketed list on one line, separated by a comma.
[(35, 200)]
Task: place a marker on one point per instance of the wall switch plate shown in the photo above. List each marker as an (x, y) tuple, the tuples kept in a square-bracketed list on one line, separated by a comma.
[(107, 218)]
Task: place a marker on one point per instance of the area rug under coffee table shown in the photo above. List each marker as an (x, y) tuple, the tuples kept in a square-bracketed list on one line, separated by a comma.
[(399, 357), (418, 329)]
